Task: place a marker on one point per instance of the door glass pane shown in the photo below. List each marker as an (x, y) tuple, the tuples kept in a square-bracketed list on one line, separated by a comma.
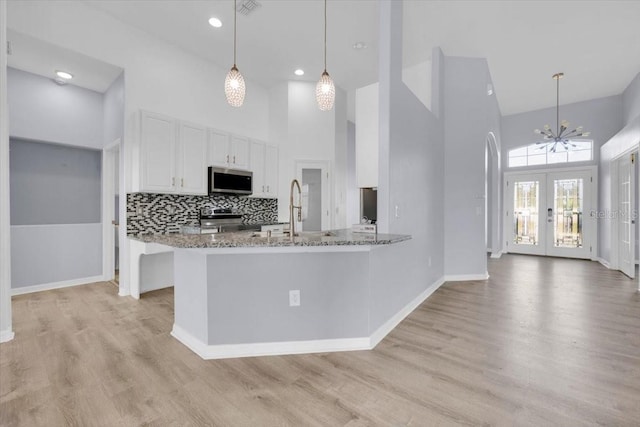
[(525, 212), (568, 209)]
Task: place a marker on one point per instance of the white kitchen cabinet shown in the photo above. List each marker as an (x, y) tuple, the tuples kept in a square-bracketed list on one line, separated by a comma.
[(230, 151), (157, 153), (264, 165), (192, 159), (172, 155), (271, 171), (367, 139)]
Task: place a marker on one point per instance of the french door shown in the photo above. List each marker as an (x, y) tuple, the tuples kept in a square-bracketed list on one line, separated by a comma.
[(549, 213)]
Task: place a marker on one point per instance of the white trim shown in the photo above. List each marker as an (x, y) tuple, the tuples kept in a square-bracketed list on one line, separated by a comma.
[(56, 285), (465, 277), (225, 351), (379, 334), (6, 336), (604, 262), (496, 255), (110, 157)]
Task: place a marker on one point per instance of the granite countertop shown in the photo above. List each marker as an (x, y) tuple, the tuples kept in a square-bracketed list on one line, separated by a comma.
[(249, 239)]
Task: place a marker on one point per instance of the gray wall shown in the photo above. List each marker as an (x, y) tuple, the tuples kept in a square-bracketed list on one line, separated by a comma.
[(54, 184), (113, 111), (628, 138), (44, 111), (631, 100), (602, 117), (411, 167), (470, 114), (66, 252)]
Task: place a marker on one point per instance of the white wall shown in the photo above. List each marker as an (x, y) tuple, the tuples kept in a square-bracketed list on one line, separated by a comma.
[(306, 133), (6, 328), (367, 138), (44, 111), (113, 111)]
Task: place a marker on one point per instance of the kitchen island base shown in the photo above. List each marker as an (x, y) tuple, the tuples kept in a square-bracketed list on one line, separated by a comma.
[(235, 302)]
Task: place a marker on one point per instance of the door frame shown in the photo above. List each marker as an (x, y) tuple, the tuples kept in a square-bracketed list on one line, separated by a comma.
[(614, 259), (593, 169), (326, 176), (111, 155)]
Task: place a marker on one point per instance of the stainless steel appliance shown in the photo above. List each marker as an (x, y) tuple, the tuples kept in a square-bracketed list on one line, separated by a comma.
[(230, 181), (220, 220)]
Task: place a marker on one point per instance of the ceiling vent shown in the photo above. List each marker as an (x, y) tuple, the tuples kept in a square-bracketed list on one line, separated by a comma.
[(246, 7)]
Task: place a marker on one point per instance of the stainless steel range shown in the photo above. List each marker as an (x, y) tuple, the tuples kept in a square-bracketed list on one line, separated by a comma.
[(218, 220)]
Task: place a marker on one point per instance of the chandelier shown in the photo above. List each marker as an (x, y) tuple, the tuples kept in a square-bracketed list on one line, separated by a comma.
[(561, 138), (234, 87)]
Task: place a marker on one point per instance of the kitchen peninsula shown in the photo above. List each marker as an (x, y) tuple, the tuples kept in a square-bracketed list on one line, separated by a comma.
[(250, 294)]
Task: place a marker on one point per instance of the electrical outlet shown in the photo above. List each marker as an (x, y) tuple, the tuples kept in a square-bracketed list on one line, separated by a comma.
[(294, 298)]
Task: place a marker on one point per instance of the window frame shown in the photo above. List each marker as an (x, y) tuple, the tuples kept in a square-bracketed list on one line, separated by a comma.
[(533, 155)]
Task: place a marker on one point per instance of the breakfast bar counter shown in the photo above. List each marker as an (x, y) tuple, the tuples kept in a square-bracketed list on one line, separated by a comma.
[(252, 293)]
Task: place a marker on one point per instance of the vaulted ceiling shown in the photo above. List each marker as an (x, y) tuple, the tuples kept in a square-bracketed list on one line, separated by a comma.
[(595, 43)]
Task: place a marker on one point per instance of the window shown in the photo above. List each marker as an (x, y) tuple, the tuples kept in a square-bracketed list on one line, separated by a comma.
[(534, 154)]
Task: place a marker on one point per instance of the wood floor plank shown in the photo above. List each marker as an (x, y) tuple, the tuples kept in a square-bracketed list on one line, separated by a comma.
[(543, 342)]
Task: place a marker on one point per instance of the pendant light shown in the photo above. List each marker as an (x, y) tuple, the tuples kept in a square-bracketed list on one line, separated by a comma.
[(325, 89), (561, 138), (234, 88)]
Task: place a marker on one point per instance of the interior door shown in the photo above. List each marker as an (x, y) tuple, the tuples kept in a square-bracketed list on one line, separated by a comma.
[(626, 221), (548, 213)]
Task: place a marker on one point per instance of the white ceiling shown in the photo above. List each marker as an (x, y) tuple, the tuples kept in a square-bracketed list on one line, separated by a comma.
[(595, 43), (42, 58)]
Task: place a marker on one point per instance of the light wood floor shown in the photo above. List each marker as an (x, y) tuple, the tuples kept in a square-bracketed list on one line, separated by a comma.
[(544, 342)]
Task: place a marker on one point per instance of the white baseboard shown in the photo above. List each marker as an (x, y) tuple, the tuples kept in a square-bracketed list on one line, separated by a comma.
[(604, 262), (225, 351), (379, 334), (465, 277), (56, 285), (6, 335), (496, 255)]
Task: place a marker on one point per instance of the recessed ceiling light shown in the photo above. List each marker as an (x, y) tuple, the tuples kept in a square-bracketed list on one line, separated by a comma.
[(215, 22), (359, 45), (64, 75), (299, 72)]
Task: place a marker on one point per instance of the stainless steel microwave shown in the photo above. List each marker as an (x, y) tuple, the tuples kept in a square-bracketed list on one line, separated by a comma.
[(230, 181)]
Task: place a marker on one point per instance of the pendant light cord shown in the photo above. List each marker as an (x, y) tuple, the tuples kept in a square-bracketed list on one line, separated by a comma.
[(235, 24), (558, 106), (325, 36)]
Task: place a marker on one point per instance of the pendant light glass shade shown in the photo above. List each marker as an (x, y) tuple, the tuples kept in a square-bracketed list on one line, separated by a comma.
[(325, 89), (234, 88), (325, 92)]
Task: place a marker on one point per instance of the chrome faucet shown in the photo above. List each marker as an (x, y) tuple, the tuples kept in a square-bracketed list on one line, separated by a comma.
[(292, 227)]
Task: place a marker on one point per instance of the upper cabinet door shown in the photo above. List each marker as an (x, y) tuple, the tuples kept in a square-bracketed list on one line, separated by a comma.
[(157, 152), (192, 155), (218, 148), (239, 153), (271, 171)]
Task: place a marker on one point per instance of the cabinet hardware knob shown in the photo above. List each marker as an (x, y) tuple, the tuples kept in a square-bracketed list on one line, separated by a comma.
[(234, 160), (268, 189), (173, 181), (227, 158), (263, 188), (182, 182)]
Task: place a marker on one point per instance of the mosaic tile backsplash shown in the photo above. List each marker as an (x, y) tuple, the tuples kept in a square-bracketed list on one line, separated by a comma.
[(165, 213)]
